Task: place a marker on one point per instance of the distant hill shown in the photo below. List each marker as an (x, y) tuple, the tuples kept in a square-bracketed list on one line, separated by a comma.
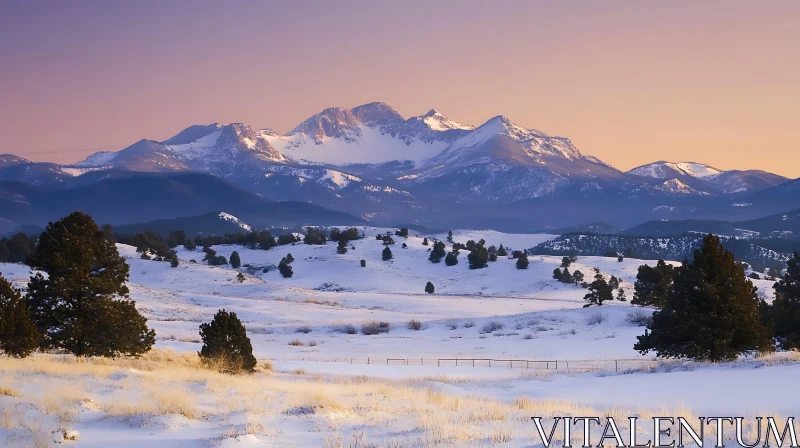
[(651, 248), (153, 196), (782, 225)]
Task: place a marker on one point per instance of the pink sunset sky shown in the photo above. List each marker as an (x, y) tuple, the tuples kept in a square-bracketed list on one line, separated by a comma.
[(629, 82)]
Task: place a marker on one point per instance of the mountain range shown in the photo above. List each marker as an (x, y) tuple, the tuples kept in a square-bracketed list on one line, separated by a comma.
[(376, 165)]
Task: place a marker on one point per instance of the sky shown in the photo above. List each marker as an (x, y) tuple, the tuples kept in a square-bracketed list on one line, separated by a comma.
[(716, 82)]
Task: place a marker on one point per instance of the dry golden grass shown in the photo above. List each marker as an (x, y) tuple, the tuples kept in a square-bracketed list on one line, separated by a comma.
[(166, 383)]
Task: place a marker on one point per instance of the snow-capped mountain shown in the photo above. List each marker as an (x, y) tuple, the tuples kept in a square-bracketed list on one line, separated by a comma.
[(373, 162), (670, 170), (707, 179)]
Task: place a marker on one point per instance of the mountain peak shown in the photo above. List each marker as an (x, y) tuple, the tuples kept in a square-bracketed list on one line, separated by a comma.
[(331, 122), (376, 113), (667, 170)]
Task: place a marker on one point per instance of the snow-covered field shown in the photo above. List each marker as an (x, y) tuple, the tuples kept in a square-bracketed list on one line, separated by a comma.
[(322, 391)]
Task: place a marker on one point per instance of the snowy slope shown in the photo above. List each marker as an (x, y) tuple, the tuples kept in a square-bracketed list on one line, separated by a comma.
[(668, 170)]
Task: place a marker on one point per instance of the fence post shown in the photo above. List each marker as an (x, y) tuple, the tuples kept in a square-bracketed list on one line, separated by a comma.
[(367, 361), (473, 362), (438, 362), (556, 364), (567, 366), (490, 363), (616, 366)]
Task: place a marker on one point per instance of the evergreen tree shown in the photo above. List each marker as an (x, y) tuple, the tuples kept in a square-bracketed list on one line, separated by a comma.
[(501, 251), (287, 238), (653, 285), (449, 236), (82, 305), (438, 252), (176, 238), (404, 246), (363, 263), (522, 260), (784, 313), (17, 248), (341, 247), (18, 335), (226, 346), (566, 262), (620, 259), (429, 288), (289, 258), (315, 236), (478, 258), (425, 241), (235, 261), (577, 277), (557, 275), (285, 269), (190, 244), (451, 259), (386, 254), (621, 295), (403, 232), (711, 312), (599, 291)]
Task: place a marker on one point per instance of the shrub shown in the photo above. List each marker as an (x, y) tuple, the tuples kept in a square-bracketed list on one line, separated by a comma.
[(386, 254), (240, 277), (469, 324), (640, 317), (285, 269), (363, 263), (305, 329), (236, 262), (452, 325), (312, 343), (429, 288), (375, 327), (522, 260), (348, 329), (492, 326), (296, 343), (226, 345), (414, 325), (451, 259), (596, 318)]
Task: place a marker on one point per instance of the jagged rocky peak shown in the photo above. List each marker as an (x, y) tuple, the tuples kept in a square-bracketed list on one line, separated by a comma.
[(336, 122), (192, 134), (377, 113), (437, 121)]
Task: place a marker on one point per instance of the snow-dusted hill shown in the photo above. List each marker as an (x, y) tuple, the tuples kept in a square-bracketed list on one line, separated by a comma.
[(707, 179)]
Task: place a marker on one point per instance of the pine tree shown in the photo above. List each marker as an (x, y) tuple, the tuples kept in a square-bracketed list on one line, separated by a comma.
[(236, 262), (18, 335), (478, 258), (363, 263), (190, 244), (289, 258), (437, 253), (522, 260), (711, 312), (449, 236), (429, 288), (784, 313), (425, 241), (501, 251), (599, 291), (621, 295), (226, 346), (386, 254), (82, 306), (341, 247), (451, 259), (240, 277), (557, 275), (653, 285), (577, 277), (284, 267)]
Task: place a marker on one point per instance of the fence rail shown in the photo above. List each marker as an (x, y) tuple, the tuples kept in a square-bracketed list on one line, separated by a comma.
[(616, 365)]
